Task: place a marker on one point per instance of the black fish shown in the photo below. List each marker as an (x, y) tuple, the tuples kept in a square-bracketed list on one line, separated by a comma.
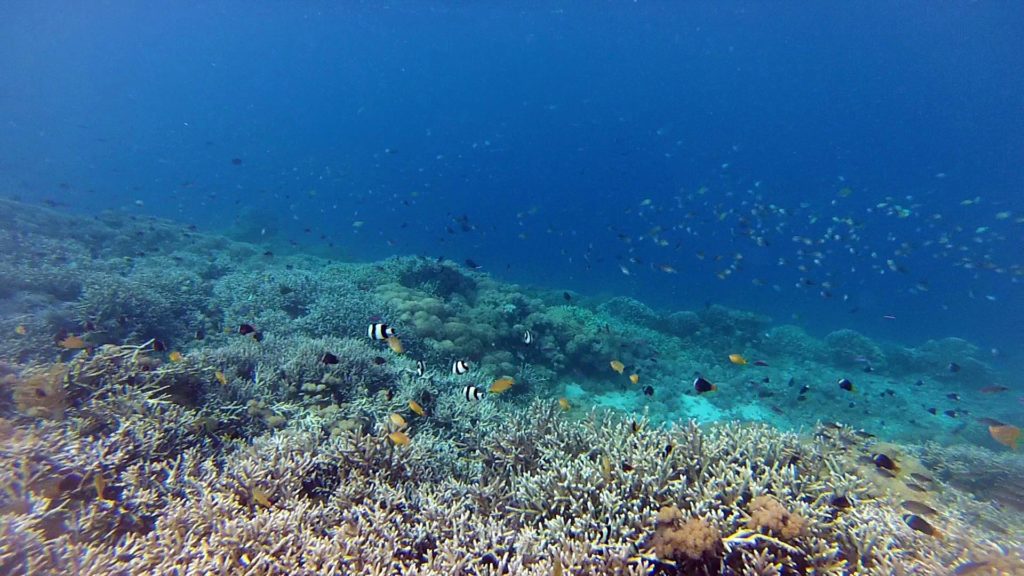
[(953, 396), (920, 524), (701, 385), (257, 336), (329, 358), (236, 161), (246, 329), (200, 334), (883, 461), (159, 346), (649, 390), (932, 410), (472, 265), (954, 367), (567, 296), (841, 502), (804, 389), (378, 360), (845, 384)]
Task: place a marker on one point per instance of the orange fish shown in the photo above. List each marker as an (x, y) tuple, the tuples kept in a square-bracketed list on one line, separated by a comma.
[(415, 407), (634, 378), (737, 359), (221, 378), (399, 438), (564, 403), (397, 420), (501, 384), (20, 330), (396, 345), (72, 343), (175, 356), (1006, 434), (617, 366)]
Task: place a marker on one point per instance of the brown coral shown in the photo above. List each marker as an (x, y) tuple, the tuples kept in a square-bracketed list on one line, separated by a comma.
[(40, 392), (693, 539), (767, 514)]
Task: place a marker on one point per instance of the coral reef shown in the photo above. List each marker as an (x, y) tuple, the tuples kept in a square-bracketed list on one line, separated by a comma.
[(39, 391), (849, 348), (690, 541), (165, 441), (766, 514), (129, 482)]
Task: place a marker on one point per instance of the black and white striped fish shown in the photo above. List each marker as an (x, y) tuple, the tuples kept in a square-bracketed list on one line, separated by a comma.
[(460, 367), (527, 338), (421, 368), (378, 331), (472, 393)]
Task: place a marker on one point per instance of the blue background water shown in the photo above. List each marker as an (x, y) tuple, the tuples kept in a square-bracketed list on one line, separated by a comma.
[(548, 127)]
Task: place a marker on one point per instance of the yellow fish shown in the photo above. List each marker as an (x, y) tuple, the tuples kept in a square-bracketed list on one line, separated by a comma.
[(100, 484), (221, 378), (634, 378), (20, 330), (501, 384), (396, 345), (72, 342), (261, 498), (564, 403), (737, 359), (1006, 434), (617, 366), (397, 420), (415, 407), (399, 438), (175, 356)]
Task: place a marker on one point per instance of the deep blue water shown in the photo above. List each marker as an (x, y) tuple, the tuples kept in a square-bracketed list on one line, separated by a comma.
[(548, 142)]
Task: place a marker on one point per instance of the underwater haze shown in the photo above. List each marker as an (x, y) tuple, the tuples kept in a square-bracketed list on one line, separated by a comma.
[(873, 149), (483, 288)]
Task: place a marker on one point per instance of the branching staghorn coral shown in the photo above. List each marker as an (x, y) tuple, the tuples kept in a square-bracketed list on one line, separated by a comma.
[(491, 487)]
